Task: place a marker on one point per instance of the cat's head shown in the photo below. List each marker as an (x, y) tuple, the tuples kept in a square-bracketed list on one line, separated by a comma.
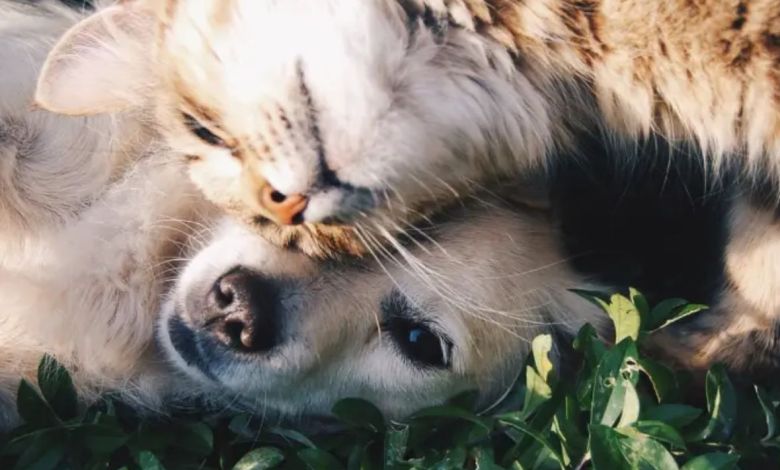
[(310, 110)]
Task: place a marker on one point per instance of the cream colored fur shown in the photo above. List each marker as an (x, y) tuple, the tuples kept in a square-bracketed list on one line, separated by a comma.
[(420, 102), (94, 216), (89, 284), (92, 278), (51, 167), (99, 244), (490, 298)]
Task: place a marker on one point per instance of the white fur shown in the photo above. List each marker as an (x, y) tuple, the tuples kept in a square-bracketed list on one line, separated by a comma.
[(419, 118), (89, 285), (94, 214), (99, 241), (489, 298)]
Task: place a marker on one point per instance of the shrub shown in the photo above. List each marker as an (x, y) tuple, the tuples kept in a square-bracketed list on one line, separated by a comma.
[(622, 410)]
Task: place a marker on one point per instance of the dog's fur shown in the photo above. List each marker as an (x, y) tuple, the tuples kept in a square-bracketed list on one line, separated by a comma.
[(98, 245), (332, 325), (396, 107), (93, 219)]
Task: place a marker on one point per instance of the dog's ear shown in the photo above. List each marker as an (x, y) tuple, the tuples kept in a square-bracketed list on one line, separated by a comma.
[(101, 65)]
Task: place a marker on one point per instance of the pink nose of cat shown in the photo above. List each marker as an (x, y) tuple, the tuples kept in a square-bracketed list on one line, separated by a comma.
[(286, 209)]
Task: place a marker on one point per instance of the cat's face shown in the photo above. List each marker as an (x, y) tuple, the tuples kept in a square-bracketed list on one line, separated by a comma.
[(327, 111)]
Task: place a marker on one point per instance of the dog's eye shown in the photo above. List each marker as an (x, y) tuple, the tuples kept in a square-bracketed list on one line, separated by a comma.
[(200, 131), (417, 342), (415, 339)]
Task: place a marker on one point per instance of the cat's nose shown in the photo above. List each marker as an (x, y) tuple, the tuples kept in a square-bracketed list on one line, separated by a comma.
[(286, 209)]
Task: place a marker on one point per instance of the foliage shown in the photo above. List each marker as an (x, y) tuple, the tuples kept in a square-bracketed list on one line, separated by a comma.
[(621, 410)]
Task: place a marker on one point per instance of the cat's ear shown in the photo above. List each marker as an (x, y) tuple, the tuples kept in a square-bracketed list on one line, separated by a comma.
[(102, 64)]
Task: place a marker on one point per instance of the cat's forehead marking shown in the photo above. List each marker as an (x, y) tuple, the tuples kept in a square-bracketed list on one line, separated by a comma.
[(201, 111)]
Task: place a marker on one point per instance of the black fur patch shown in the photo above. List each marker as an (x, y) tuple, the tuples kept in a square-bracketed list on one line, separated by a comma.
[(79, 4), (645, 215)]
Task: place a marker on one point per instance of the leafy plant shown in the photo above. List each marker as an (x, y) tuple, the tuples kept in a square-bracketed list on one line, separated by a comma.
[(622, 410)]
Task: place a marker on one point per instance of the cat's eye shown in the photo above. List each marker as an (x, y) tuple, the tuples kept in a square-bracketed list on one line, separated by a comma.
[(415, 339), (202, 132)]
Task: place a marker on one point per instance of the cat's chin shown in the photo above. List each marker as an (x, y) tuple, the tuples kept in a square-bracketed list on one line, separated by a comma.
[(339, 205)]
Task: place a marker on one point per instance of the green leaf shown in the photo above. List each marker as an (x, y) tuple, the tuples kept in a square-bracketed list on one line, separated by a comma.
[(57, 388), (661, 378), (625, 316), (660, 432), (640, 302), (197, 438), (396, 441), (721, 406), (671, 311), (452, 459), (672, 414), (153, 438), (484, 459), (101, 439), (663, 311), (713, 461), (544, 460), (611, 449), (617, 370), (541, 347), (587, 342), (148, 461), (241, 425), (450, 412), (357, 456), (260, 459), (317, 459), (537, 391), (292, 435), (605, 448), (32, 408), (769, 412), (540, 424), (517, 423), (680, 314), (468, 400), (359, 413), (45, 451), (630, 412), (566, 429)]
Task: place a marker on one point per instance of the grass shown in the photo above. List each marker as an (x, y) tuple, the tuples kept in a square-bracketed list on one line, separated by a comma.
[(621, 410)]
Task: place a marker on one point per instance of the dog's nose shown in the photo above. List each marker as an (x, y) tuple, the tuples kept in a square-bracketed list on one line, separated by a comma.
[(244, 311), (286, 209)]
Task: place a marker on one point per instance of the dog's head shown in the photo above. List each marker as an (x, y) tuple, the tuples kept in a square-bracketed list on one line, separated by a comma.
[(454, 310)]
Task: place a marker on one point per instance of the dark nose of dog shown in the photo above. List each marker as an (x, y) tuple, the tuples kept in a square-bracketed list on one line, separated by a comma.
[(245, 311)]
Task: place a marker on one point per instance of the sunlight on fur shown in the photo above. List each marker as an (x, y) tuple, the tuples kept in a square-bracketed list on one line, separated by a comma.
[(392, 108), (120, 267)]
